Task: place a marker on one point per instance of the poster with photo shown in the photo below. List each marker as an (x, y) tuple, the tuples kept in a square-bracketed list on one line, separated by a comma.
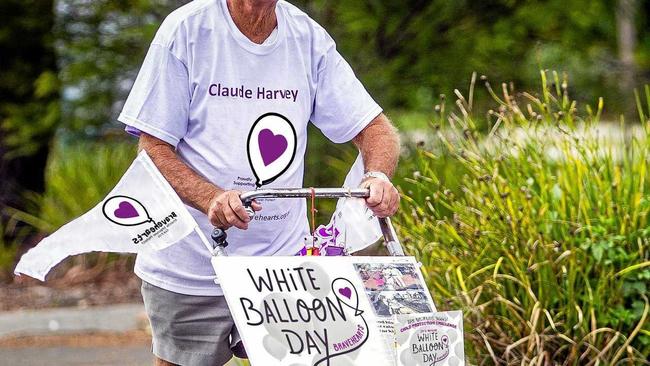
[(395, 286), (434, 339), (317, 310)]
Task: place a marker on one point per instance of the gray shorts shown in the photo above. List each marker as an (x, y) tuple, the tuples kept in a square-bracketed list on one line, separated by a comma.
[(191, 330)]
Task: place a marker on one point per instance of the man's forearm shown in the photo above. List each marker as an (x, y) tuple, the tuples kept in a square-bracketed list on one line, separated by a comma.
[(192, 188), (379, 146)]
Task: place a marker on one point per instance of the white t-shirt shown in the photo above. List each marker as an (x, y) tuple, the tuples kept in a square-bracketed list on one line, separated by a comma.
[(237, 113)]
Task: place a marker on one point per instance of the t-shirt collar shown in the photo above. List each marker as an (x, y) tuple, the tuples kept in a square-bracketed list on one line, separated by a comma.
[(261, 49)]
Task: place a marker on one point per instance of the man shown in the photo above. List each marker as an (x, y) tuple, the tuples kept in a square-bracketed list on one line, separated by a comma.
[(215, 70)]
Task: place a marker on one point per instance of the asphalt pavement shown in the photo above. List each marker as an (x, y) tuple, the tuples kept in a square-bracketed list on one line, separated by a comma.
[(74, 336), (77, 356), (115, 335)]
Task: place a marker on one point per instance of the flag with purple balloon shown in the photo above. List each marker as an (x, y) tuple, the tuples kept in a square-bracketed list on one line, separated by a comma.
[(142, 212)]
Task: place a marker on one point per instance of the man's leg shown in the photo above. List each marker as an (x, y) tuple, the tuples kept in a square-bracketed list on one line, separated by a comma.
[(188, 330), (159, 362)]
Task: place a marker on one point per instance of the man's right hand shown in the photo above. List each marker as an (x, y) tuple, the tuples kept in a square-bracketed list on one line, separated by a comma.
[(227, 210)]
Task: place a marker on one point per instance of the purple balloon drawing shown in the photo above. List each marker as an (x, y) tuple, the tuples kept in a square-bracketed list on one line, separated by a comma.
[(271, 146), (346, 291), (125, 210)]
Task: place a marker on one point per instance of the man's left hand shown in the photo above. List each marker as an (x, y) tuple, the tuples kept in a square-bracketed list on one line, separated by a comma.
[(384, 197)]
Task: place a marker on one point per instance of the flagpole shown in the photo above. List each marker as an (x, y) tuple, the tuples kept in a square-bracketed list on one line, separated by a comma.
[(204, 239)]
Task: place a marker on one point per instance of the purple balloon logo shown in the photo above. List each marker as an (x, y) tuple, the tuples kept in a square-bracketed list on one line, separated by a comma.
[(125, 211), (347, 293), (271, 147)]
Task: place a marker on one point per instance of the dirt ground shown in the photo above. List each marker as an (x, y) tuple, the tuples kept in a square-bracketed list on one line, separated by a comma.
[(86, 340), (114, 283), (106, 349)]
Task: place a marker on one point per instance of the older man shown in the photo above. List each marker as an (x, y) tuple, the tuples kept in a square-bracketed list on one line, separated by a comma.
[(213, 71)]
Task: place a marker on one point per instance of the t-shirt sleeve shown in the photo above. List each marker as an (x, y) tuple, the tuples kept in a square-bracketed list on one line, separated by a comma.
[(342, 106), (160, 97)]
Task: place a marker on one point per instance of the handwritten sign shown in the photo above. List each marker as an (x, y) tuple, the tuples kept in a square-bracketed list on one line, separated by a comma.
[(434, 339), (318, 310)]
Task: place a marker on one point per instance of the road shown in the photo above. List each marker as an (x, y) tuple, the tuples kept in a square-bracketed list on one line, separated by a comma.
[(114, 335), (77, 356)]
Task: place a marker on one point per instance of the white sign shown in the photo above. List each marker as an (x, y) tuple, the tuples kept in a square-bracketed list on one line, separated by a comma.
[(434, 339), (320, 311)]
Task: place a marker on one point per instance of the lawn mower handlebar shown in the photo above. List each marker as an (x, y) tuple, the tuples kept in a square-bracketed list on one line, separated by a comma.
[(248, 197), (390, 237)]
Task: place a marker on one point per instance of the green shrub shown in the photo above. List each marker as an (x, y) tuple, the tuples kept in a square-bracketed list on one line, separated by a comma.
[(536, 225), (7, 255)]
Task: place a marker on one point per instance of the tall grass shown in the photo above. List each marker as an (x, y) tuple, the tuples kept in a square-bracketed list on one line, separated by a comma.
[(78, 176), (7, 254), (536, 225)]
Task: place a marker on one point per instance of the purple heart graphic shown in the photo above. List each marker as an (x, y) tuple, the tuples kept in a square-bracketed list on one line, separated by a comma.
[(345, 291), (325, 232), (271, 146), (125, 211)]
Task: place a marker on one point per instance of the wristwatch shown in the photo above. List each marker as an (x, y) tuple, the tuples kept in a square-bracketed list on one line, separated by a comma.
[(376, 174)]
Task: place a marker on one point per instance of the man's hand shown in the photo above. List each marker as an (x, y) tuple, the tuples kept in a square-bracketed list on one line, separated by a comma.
[(227, 210), (384, 198)]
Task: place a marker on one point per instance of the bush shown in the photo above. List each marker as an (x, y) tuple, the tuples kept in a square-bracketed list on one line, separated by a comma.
[(536, 225)]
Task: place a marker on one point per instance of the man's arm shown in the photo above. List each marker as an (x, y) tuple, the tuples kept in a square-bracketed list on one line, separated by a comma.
[(379, 146), (224, 208)]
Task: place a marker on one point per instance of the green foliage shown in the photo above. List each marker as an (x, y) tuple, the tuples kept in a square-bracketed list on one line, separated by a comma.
[(536, 225), (101, 45), (29, 126), (7, 253), (29, 87), (78, 177), (407, 52)]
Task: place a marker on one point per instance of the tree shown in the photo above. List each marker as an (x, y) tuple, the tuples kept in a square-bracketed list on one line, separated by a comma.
[(102, 44), (627, 41), (29, 98), (407, 52)]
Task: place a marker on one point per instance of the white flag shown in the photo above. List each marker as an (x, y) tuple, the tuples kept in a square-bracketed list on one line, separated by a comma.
[(141, 213), (355, 226)]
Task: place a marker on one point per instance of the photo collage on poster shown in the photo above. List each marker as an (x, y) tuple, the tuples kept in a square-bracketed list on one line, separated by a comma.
[(395, 288)]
